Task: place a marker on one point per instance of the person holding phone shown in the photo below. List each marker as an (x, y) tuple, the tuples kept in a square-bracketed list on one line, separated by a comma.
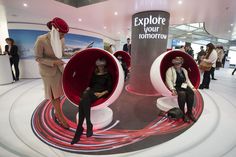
[(178, 82), (48, 54)]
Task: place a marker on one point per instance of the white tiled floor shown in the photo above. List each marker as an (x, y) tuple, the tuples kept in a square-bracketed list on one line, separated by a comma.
[(213, 135)]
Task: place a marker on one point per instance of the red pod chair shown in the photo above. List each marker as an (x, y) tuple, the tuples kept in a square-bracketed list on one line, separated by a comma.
[(77, 76), (158, 76), (126, 57)]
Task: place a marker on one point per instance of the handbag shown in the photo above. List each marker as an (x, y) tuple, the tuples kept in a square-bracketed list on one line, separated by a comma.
[(175, 113), (205, 66), (218, 64)]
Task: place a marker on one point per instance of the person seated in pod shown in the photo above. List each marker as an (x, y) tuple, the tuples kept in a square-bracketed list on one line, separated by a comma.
[(178, 82), (124, 65), (100, 86)]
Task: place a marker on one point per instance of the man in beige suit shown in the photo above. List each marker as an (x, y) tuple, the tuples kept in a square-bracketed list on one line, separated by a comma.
[(48, 54)]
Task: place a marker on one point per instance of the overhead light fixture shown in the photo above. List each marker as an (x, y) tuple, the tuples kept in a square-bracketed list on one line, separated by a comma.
[(189, 33), (115, 13), (182, 19), (25, 4), (118, 32), (229, 31), (231, 24), (105, 27), (180, 2), (79, 19)]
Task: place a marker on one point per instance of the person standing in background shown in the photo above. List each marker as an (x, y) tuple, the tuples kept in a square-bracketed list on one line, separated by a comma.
[(48, 53), (127, 46), (189, 50), (211, 57), (12, 51), (200, 54)]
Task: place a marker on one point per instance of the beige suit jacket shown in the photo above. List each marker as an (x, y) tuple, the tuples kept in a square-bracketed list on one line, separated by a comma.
[(45, 56)]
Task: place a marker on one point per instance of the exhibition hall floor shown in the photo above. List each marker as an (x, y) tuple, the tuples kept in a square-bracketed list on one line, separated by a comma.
[(212, 135)]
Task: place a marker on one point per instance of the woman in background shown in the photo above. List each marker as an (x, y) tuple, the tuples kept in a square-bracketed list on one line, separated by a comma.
[(211, 57), (12, 51)]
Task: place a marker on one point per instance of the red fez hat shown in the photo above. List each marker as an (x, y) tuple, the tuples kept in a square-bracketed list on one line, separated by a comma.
[(59, 24)]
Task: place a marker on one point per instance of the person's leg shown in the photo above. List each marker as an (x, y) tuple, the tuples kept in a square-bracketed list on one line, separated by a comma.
[(213, 73), (233, 71), (13, 75), (79, 129), (87, 110), (16, 67), (190, 100), (181, 102), (208, 78), (58, 113)]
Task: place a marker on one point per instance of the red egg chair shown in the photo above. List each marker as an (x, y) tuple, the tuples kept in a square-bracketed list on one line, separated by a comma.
[(78, 73), (126, 57), (163, 62)]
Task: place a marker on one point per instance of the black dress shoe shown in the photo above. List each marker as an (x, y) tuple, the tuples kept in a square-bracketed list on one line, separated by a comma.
[(77, 136), (214, 79), (89, 132), (201, 86), (186, 119), (192, 117)]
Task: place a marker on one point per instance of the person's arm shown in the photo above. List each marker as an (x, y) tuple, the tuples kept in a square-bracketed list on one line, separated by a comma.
[(109, 87), (169, 82), (38, 49), (187, 79)]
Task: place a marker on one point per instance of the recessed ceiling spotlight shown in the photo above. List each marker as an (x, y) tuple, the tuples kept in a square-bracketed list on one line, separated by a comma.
[(118, 32), (189, 33), (105, 27), (229, 31), (115, 13), (25, 4), (182, 19), (79, 19), (180, 2), (231, 24)]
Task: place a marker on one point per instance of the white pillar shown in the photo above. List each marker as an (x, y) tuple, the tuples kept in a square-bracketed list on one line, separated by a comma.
[(3, 27)]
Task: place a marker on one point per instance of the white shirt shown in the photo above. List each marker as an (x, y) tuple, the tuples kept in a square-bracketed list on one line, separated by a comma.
[(212, 58)]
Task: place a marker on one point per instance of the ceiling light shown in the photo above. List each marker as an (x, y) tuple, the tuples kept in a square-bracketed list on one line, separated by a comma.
[(115, 13), (25, 4), (79, 19), (105, 27), (229, 31), (118, 32), (180, 2), (182, 19), (231, 24), (189, 33)]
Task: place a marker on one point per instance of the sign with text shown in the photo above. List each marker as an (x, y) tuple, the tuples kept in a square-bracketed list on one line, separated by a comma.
[(149, 40)]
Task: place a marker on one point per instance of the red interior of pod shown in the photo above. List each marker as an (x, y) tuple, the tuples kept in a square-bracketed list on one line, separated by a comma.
[(126, 57), (79, 70), (189, 64)]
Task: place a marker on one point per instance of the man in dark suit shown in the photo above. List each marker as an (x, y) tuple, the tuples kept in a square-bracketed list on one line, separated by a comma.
[(127, 46), (12, 51)]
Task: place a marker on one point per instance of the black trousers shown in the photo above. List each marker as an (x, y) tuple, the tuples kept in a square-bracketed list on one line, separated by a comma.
[(206, 78), (185, 96), (87, 99), (213, 72), (234, 71), (15, 63)]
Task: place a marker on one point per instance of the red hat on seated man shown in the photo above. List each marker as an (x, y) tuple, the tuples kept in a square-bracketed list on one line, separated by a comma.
[(59, 24)]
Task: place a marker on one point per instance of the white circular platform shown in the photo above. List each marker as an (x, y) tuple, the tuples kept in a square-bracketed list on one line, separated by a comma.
[(99, 118), (167, 103)]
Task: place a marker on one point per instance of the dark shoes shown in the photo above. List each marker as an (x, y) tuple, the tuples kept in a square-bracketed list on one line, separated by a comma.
[(202, 86), (77, 136), (89, 132), (186, 119), (192, 117), (214, 79)]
